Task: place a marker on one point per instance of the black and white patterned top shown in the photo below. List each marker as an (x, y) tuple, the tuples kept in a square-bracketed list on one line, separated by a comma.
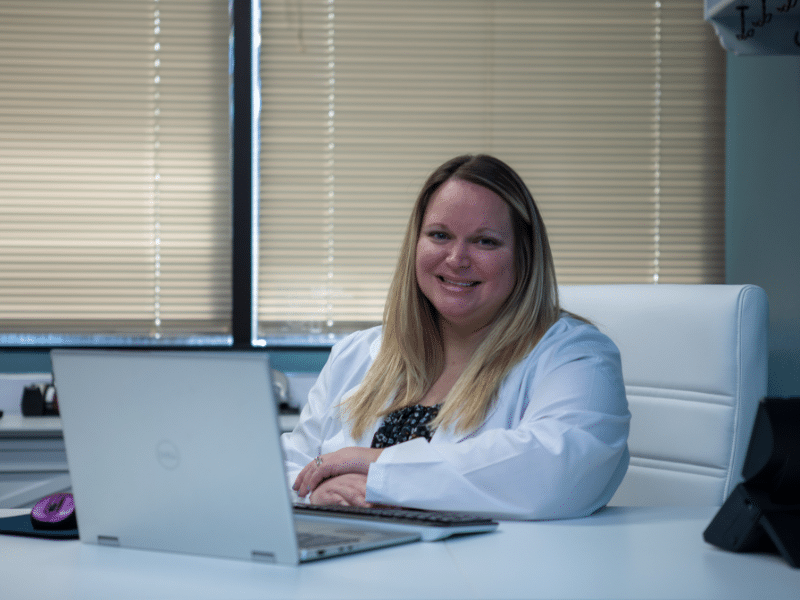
[(405, 424)]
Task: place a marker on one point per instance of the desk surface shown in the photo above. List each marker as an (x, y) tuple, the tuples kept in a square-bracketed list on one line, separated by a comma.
[(618, 553)]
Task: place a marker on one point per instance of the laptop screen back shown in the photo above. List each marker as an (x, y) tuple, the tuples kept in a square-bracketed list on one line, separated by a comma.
[(176, 451)]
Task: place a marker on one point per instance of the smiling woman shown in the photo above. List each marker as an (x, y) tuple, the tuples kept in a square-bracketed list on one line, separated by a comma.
[(465, 256), (516, 408)]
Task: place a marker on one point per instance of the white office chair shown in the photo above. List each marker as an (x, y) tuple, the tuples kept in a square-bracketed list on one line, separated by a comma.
[(694, 359)]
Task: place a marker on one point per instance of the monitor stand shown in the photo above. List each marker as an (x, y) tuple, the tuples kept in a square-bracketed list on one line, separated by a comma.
[(750, 522)]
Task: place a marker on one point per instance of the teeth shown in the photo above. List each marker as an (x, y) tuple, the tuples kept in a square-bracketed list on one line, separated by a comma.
[(458, 283)]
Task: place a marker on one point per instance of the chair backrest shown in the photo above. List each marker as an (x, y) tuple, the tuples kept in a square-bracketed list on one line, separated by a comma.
[(694, 360)]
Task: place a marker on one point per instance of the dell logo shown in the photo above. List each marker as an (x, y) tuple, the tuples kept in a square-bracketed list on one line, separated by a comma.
[(167, 455)]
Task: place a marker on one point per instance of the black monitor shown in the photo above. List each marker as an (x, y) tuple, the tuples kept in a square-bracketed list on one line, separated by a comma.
[(763, 512)]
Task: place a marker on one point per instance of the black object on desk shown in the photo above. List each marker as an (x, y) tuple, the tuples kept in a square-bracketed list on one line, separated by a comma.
[(21, 525), (39, 401), (763, 513)]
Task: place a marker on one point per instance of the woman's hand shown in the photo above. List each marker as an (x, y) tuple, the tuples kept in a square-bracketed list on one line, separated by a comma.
[(348, 490), (353, 459)]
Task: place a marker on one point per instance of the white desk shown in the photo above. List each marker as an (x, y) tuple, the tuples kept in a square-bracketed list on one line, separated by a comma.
[(637, 553)]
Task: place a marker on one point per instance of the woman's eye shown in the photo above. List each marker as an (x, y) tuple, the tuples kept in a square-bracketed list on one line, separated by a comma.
[(438, 235), (488, 242)]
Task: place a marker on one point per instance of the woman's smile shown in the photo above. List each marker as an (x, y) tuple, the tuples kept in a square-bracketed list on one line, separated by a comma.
[(464, 284)]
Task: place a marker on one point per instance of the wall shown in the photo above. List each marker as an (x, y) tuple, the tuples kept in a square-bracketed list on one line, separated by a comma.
[(763, 199)]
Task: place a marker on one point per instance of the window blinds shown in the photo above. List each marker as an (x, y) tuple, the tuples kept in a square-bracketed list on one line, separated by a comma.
[(612, 112), (114, 169)]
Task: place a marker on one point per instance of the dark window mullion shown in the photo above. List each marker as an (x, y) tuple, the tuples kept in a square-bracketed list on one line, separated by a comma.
[(242, 153)]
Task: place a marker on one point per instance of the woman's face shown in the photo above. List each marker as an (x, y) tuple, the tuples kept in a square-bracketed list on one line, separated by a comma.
[(465, 255)]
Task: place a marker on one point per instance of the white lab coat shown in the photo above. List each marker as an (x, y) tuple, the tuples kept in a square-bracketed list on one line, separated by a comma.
[(553, 446)]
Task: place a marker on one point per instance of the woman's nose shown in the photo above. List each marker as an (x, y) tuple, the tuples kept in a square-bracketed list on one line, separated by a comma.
[(458, 255)]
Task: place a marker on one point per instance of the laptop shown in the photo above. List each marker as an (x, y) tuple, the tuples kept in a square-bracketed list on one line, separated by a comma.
[(179, 451)]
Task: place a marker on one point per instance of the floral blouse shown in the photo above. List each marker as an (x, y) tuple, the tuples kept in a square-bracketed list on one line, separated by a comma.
[(405, 424)]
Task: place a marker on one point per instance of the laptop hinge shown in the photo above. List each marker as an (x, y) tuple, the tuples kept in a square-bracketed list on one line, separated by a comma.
[(261, 556), (108, 540)]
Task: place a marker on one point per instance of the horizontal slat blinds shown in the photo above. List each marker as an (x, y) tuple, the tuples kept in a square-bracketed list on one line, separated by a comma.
[(114, 168), (612, 112), (692, 149)]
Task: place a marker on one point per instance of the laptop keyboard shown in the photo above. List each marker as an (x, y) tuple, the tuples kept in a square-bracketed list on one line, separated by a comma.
[(406, 516)]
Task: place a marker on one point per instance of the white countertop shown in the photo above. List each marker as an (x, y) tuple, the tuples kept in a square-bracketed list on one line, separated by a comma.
[(642, 553)]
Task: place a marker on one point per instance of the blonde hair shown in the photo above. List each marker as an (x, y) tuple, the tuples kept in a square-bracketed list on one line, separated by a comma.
[(411, 355)]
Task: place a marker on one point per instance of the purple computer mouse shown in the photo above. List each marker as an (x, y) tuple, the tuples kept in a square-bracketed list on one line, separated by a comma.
[(56, 511)]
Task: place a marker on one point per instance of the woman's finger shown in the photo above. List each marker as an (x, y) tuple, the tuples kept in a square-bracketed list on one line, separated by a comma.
[(340, 462)]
